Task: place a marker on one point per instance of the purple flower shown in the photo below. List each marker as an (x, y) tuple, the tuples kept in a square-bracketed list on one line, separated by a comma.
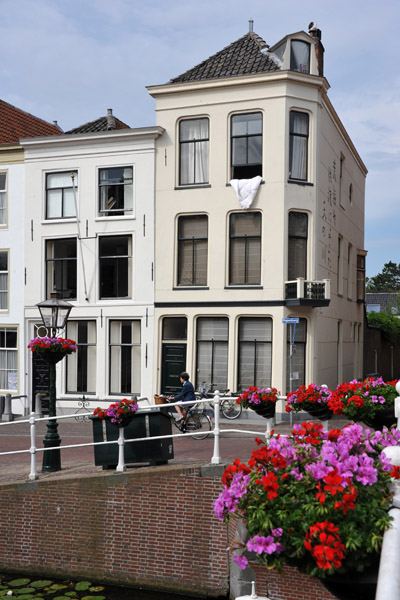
[(240, 560), (261, 544)]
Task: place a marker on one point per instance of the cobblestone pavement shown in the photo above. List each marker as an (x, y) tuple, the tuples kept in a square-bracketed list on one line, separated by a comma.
[(79, 462)]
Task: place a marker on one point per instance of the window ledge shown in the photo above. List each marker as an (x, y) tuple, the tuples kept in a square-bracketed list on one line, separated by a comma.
[(115, 218), (299, 182), (191, 288), (59, 220), (193, 187), (243, 287)]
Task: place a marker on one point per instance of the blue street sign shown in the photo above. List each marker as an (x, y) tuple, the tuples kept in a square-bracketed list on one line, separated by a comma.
[(292, 320)]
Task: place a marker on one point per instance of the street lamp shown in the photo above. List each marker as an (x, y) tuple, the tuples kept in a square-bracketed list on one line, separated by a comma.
[(54, 313)]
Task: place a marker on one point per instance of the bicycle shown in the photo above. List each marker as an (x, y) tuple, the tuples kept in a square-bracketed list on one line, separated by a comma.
[(196, 419), (230, 409)]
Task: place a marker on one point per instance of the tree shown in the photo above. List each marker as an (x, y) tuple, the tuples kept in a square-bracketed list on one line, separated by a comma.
[(389, 324), (386, 281)]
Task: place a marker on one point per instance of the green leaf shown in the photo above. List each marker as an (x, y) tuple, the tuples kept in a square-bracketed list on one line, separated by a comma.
[(96, 588), (92, 598), (19, 582), (82, 586), (41, 583)]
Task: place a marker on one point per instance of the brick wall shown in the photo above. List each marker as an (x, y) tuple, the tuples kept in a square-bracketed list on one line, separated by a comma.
[(151, 527)]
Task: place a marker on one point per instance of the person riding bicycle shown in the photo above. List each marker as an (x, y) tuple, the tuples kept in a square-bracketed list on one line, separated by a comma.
[(186, 394)]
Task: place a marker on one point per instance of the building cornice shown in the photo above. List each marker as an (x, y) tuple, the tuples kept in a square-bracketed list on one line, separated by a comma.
[(227, 82), (11, 154), (119, 135)]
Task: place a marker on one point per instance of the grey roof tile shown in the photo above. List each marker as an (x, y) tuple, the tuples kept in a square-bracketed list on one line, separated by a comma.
[(243, 57), (107, 123)]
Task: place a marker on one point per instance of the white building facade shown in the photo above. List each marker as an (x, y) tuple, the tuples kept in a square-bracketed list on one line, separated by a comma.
[(89, 234), (226, 276)]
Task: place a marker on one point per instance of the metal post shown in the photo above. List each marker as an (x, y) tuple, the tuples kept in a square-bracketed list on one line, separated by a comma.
[(7, 415), (270, 426), (2, 400), (121, 446), (216, 459), (52, 458), (33, 474)]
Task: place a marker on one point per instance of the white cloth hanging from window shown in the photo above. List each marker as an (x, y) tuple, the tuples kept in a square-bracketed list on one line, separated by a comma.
[(246, 190)]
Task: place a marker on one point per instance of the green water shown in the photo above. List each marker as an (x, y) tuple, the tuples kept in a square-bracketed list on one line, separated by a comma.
[(31, 588)]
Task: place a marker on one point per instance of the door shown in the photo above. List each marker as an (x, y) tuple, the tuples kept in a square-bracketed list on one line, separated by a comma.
[(173, 363)]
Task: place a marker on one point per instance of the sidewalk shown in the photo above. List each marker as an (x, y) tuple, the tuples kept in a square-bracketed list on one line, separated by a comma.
[(79, 462)]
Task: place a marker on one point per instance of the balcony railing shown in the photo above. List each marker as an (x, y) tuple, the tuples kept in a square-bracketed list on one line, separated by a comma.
[(304, 292)]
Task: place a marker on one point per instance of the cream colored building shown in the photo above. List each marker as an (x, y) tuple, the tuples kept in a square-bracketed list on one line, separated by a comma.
[(226, 277)]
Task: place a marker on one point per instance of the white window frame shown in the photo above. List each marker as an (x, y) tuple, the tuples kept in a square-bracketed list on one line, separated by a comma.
[(62, 188), (73, 360), (113, 212), (15, 350), (6, 272), (115, 371), (193, 142), (5, 192)]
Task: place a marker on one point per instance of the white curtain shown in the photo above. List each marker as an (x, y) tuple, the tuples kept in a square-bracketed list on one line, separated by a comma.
[(194, 151), (299, 146)]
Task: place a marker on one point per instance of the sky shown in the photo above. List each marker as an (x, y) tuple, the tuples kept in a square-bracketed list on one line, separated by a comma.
[(71, 60)]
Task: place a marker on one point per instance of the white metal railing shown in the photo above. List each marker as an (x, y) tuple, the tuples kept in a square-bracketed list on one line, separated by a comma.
[(121, 441)]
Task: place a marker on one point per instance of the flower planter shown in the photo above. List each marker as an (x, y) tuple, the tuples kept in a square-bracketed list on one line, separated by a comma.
[(352, 586), (52, 357), (125, 420), (320, 411), (144, 425), (264, 409), (384, 417)]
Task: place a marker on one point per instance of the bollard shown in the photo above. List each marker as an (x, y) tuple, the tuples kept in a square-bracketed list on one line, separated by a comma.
[(1, 405), (38, 406), (216, 458), (7, 415), (121, 451)]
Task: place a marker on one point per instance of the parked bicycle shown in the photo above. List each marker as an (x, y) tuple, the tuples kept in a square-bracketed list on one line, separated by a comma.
[(228, 405), (196, 420)]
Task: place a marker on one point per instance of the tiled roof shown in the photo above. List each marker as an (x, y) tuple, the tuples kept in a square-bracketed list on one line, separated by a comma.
[(107, 123), (16, 123), (386, 300), (243, 57)]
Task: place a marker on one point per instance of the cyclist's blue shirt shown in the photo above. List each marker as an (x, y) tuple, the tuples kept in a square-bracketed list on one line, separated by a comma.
[(187, 393)]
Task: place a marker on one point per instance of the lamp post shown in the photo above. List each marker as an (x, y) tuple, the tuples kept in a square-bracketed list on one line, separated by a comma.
[(54, 313)]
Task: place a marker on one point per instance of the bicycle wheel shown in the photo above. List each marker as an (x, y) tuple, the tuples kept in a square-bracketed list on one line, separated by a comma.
[(200, 423), (230, 409)]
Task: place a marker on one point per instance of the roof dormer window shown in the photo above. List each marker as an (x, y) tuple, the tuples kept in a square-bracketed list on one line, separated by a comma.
[(300, 56)]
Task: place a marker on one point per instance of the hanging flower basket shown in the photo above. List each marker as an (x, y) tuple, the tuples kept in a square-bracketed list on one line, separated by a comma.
[(313, 399), (52, 350), (370, 401), (261, 400), (119, 414), (316, 500)]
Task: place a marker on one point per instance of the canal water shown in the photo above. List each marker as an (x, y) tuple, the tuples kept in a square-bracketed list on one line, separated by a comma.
[(24, 587)]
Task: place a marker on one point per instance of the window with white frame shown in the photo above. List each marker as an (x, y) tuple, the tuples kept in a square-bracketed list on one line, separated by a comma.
[(116, 191), (194, 151), (192, 250), (115, 254), (300, 56), (60, 202), (3, 198), (212, 351), (246, 145), (245, 248), (61, 267), (297, 249), (298, 145), (81, 365), (255, 352), (8, 358), (3, 280), (125, 357)]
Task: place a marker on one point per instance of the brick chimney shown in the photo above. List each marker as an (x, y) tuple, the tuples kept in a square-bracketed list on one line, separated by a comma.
[(315, 33)]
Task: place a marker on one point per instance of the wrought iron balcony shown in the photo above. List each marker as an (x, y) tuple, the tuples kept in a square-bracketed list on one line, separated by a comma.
[(302, 292)]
